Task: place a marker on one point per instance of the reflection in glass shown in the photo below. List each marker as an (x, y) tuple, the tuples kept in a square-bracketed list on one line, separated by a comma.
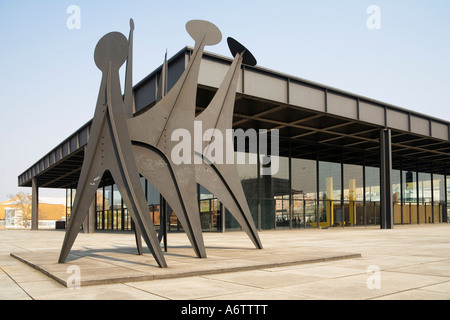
[(154, 206), (99, 199), (304, 192), (267, 214), (276, 187), (108, 203), (117, 198), (295, 197), (372, 194), (330, 211), (126, 219), (409, 181), (396, 196), (353, 195), (210, 211), (99, 208), (248, 173), (409, 186), (155, 213), (438, 198), (424, 197), (68, 204), (153, 195), (247, 167)]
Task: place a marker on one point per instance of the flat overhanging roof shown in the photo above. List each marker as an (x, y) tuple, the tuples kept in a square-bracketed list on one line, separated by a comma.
[(312, 118)]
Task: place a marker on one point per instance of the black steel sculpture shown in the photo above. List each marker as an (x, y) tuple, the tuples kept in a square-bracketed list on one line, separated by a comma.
[(109, 148), (222, 179), (128, 146), (151, 135)]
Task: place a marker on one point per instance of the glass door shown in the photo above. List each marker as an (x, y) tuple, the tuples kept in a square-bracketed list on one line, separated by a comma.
[(210, 214)]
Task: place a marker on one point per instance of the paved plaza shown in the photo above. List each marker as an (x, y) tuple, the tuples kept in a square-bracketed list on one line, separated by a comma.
[(359, 263)]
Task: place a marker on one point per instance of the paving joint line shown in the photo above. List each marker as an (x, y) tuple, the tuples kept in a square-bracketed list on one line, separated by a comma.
[(17, 283), (128, 284)]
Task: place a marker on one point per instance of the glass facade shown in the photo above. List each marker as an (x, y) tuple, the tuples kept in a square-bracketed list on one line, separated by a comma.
[(353, 182), (372, 196), (210, 211), (438, 194), (303, 193), (111, 212), (70, 197)]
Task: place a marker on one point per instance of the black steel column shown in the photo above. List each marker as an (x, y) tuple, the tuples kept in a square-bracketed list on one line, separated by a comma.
[(317, 189), (432, 194), (387, 210), (444, 214), (290, 188), (258, 175), (364, 191), (417, 192), (34, 204), (401, 193), (342, 195)]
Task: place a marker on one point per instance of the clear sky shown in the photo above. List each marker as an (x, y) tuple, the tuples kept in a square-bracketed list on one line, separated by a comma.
[(49, 82)]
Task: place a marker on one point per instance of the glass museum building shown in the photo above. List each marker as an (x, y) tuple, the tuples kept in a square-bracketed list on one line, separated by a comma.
[(344, 160)]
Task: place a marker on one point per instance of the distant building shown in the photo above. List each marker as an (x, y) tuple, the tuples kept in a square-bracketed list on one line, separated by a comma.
[(11, 216)]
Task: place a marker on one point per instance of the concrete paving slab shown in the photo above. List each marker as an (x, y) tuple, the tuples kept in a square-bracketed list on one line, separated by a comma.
[(443, 287), (325, 271), (416, 294), (439, 268), (12, 292), (105, 266), (50, 290), (261, 294), (263, 279), (356, 287), (387, 262), (413, 263), (190, 288)]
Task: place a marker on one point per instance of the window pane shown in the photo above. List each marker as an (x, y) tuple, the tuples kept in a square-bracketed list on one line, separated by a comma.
[(247, 170), (277, 184), (353, 195), (396, 196), (108, 198), (99, 199), (438, 198), (330, 211), (372, 195), (424, 197), (117, 198), (304, 193), (276, 187), (409, 186), (153, 196), (107, 217), (304, 178)]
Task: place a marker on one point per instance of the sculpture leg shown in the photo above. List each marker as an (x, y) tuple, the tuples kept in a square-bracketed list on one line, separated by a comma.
[(134, 198), (138, 238), (156, 169), (81, 205)]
